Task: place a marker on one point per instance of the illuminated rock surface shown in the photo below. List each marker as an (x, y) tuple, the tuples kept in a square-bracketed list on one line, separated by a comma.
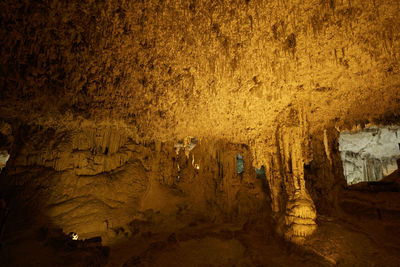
[(370, 154), (125, 119), (4, 156)]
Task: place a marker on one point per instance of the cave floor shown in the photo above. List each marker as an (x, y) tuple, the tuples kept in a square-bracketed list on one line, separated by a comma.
[(205, 244), (212, 245), (336, 243)]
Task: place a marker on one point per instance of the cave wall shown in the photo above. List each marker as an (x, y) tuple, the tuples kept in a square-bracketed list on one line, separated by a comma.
[(284, 157), (5, 143), (324, 173), (108, 83), (370, 154), (98, 181)]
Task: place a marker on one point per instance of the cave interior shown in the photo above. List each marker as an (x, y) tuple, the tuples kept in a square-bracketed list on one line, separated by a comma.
[(204, 133)]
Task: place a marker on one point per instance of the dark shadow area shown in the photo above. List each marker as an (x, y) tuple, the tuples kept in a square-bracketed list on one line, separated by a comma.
[(373, 208), (204, 244), (29, 238)]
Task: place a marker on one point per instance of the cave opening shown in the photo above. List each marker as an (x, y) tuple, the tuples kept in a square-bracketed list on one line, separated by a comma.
[(369, 154)]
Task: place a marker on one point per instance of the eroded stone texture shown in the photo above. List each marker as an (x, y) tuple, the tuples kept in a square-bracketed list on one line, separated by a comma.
[(173, 69), (4, 156), (370, 154), (140, 191), (87, 151), (108, 84), (6, 141), (293, 207)]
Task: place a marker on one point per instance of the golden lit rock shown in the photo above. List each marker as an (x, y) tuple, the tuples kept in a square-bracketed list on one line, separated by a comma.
[(139, 125)]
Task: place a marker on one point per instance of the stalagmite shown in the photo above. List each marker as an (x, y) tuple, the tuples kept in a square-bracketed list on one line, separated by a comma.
[(293, 208), (300, 211)]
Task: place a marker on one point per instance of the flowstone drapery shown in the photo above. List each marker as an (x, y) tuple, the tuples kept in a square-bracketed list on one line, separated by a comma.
[(300, 211), (292, 206)]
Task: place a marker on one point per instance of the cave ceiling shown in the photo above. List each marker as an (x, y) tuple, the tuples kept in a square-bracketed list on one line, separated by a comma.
[(219, 69)]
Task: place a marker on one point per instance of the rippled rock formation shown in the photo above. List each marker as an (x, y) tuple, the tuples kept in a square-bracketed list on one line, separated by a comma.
[(370, 154)]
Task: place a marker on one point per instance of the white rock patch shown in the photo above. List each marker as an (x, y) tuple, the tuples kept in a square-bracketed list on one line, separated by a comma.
[(369, 154)]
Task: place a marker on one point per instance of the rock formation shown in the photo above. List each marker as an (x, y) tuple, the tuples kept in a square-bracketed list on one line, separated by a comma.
[(371, 154), (124, 120), (291, 203)]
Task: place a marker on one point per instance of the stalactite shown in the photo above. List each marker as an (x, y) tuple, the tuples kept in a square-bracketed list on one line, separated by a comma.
[(300, 211), (370, 156), (293, 207), (326, 146)]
